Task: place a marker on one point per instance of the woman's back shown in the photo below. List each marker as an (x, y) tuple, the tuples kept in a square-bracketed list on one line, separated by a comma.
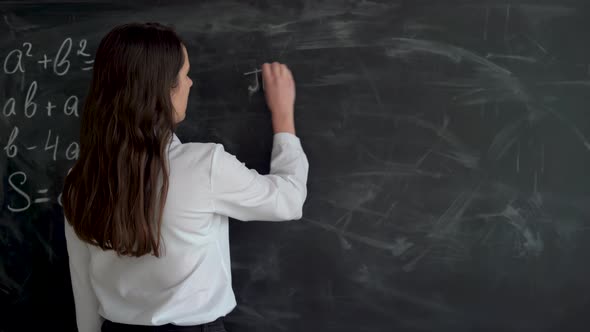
[(190, 283)]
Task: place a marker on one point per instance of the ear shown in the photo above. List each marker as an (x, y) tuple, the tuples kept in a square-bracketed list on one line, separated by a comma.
[(174, 89)]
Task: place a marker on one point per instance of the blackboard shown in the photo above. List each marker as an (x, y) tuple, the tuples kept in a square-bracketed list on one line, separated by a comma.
[(449, 149)]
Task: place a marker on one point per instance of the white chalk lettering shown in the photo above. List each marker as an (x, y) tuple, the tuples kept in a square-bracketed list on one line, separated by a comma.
[(71, 106), (9, 105), (19, 191), (54, 146), (73, 151), (61, 65), (18, 66), (11, 148), (30, 105)]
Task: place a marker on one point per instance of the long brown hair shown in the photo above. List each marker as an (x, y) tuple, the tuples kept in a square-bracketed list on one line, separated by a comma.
[(114, 195)]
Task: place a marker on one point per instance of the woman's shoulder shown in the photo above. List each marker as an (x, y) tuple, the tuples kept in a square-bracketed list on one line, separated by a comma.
[(193, 152)]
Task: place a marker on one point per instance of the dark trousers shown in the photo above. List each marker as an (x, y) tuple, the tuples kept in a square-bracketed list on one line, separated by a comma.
[(215, 326)]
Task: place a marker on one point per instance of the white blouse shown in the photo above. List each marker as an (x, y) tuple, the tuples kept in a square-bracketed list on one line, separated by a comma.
[(190, 283)]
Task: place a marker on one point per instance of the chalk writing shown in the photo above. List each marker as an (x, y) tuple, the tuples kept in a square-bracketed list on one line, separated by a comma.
[(253, 88), (14, 60), (24, 201), (70, 106), (52, 144), (59, 64), (34, 103)]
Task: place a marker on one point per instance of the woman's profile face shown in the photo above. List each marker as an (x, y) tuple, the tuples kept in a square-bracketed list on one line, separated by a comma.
[(180, 92)]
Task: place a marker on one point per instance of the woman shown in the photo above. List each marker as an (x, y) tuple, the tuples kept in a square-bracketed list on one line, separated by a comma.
[(147, 216)]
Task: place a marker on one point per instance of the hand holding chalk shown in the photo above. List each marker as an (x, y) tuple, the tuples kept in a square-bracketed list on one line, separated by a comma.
[(280, 95)]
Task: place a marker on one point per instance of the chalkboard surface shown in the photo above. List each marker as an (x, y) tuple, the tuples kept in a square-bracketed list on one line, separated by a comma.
[(449, 149)]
